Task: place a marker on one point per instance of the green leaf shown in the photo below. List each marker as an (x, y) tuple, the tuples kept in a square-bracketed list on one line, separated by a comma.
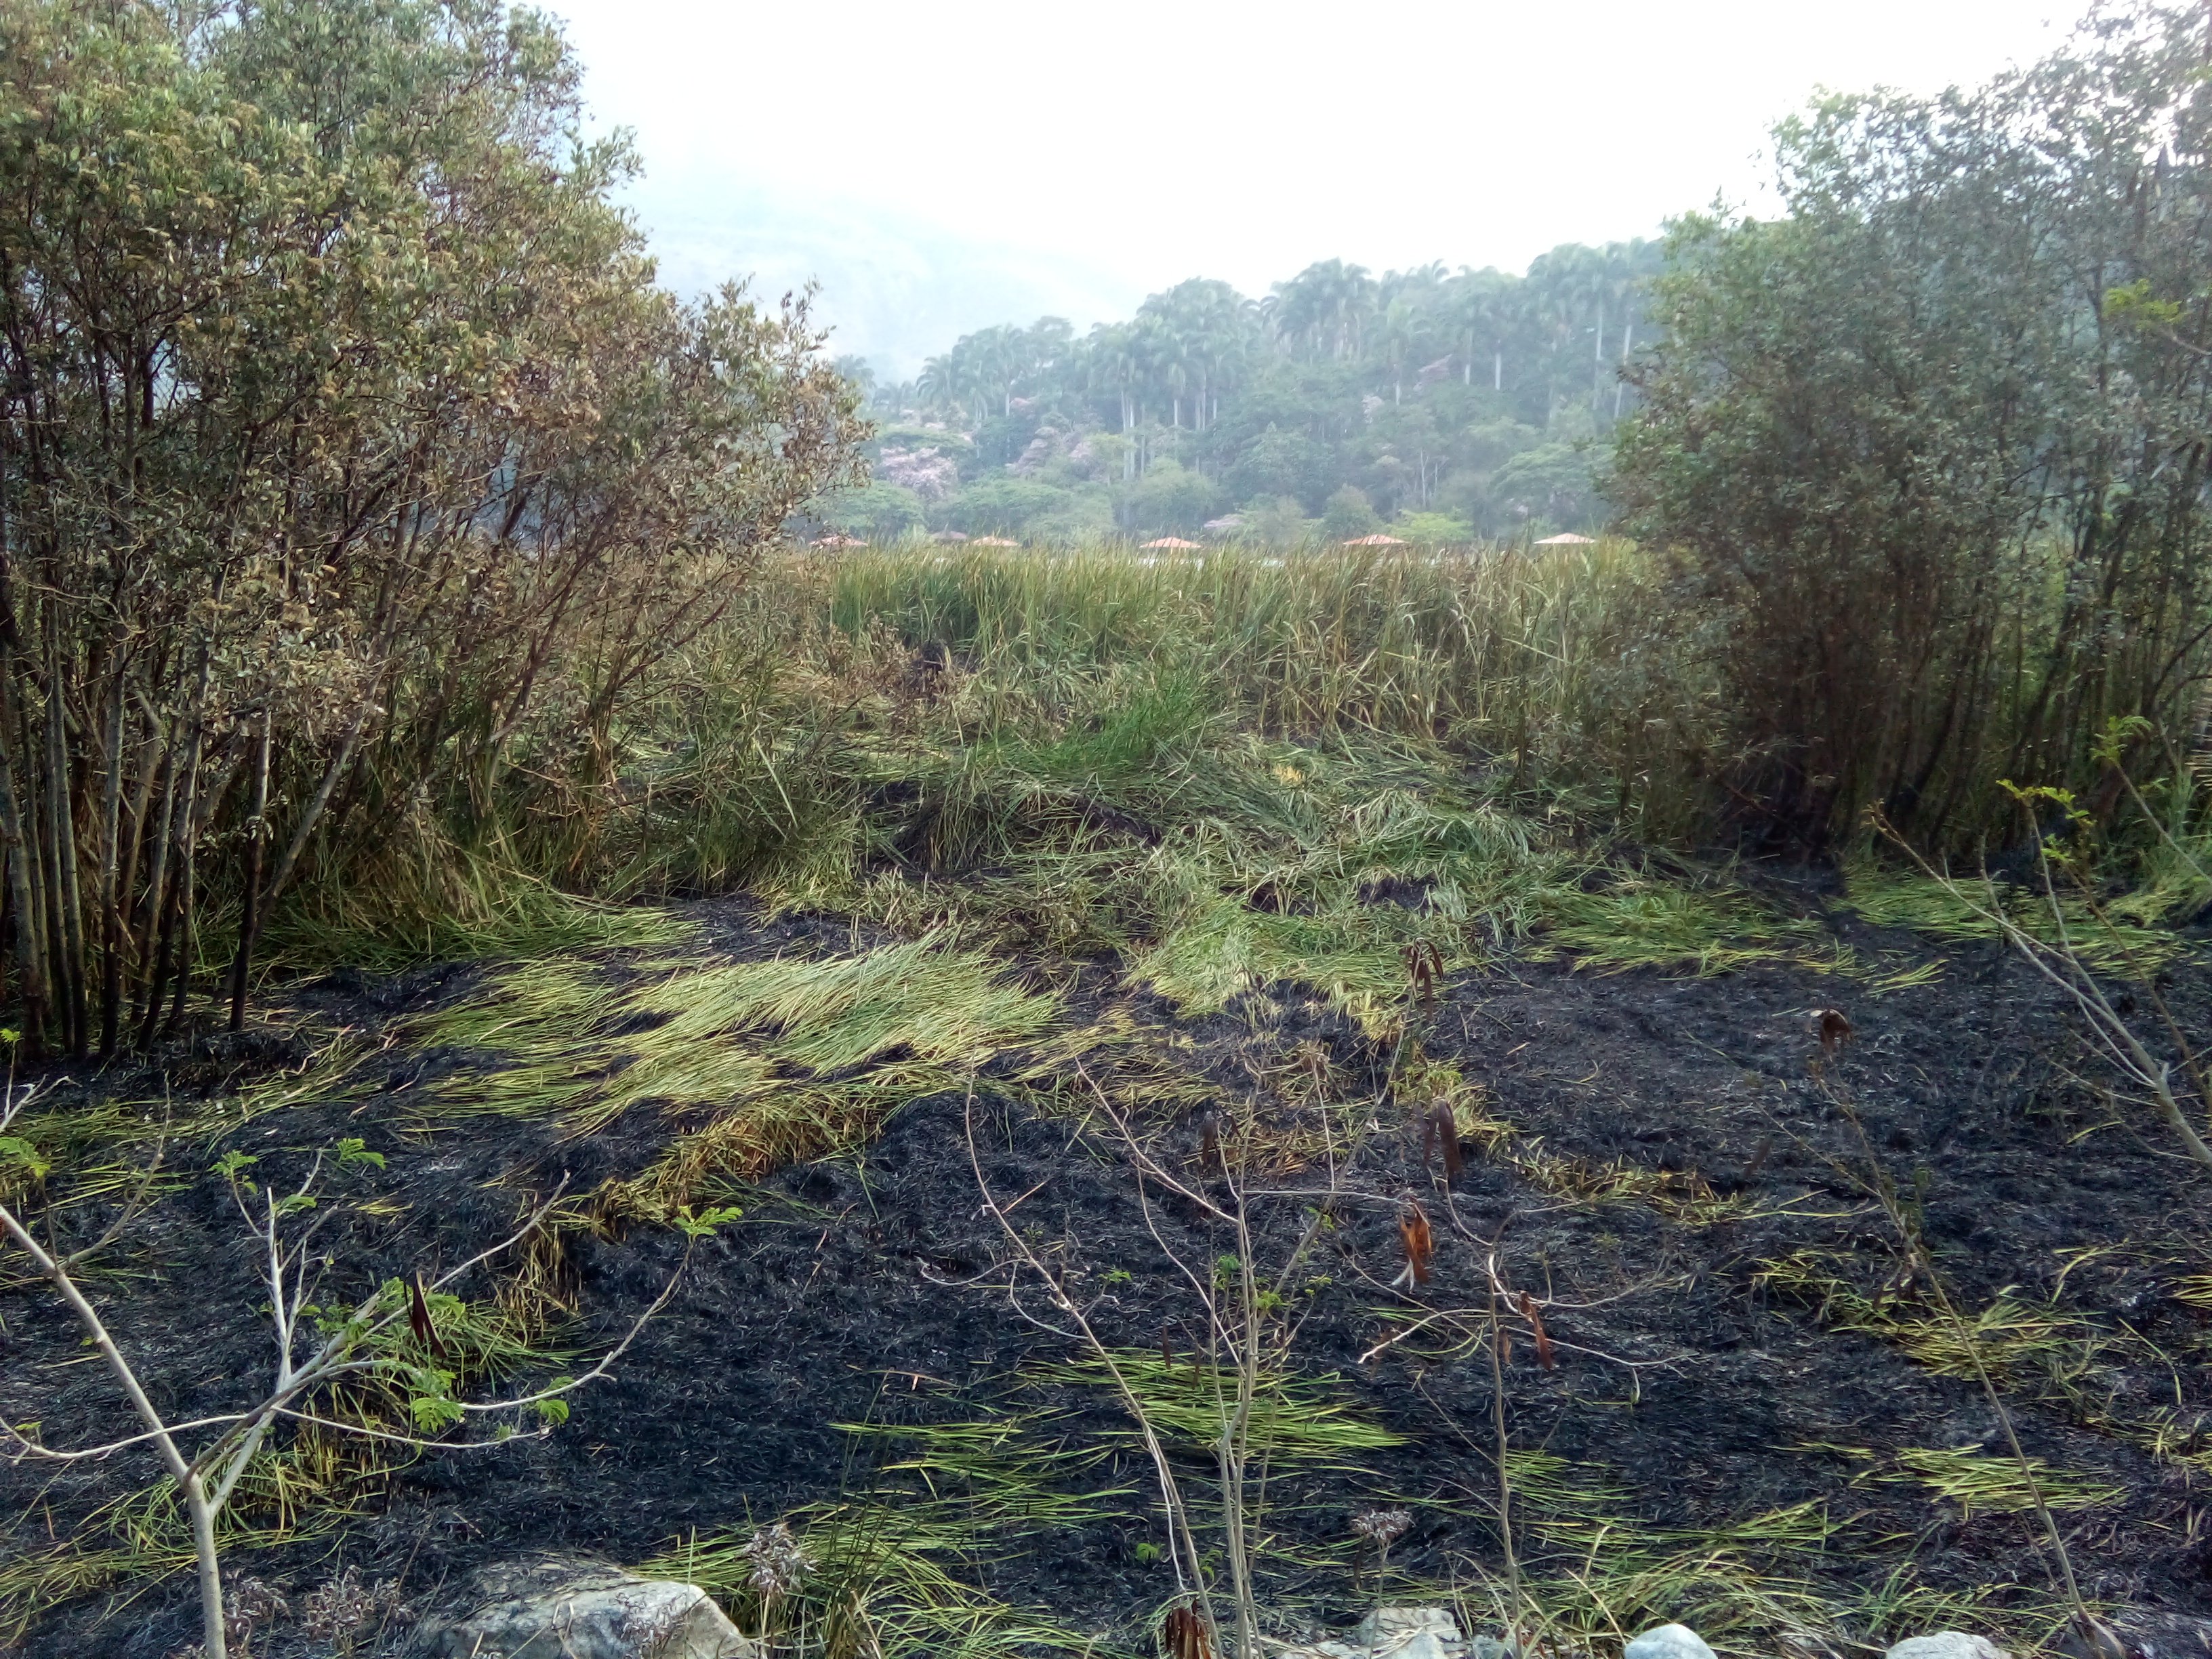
[(354, 1154), (702, 1225), (433, 1412), (19, 1153)]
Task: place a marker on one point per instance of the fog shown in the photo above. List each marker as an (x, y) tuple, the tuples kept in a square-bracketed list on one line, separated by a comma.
[(944, 167)]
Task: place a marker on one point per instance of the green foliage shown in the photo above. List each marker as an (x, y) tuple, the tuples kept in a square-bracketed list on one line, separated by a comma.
[(1432, 529), (771, 1061), (2112, 939), (874, 511), (1171, 498), (1000, 505), (1546, 487), (354, 1154), (701, 1223), (1645, 923), (1086, 752), (1595, 1568), (1348, 514), (21, 1157), (904, 1563), (1939, 504), (1389, 386), (376, 428)]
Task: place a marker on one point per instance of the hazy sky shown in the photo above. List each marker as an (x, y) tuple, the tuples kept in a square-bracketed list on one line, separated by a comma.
[(940, 166)]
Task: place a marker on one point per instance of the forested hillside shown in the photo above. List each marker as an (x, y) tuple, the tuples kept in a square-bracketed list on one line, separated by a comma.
[(1446, 404)]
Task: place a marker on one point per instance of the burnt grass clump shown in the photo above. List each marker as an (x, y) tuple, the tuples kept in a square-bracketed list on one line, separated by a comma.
[(1671, 1164)]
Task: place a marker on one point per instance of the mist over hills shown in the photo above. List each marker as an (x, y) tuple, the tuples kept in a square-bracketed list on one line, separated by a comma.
[(895, 288)]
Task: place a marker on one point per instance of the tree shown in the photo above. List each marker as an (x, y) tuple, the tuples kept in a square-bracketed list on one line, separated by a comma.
[(1171, 498), (1947, 500), (327, 441), (1349, 513), (1482, 309), (1324, 309)]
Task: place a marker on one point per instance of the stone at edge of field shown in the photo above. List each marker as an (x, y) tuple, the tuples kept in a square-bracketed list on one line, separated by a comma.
[(1946, 1645), (572, 1610), (1393, 1633), (1409, 1634), (1670, 1642)]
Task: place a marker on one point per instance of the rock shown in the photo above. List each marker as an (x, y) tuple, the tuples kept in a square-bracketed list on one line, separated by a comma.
[(1410, 1633), (1396, 1633), (2162, 1635), (1668, 1642), (556, 1609), (1946, 1645)]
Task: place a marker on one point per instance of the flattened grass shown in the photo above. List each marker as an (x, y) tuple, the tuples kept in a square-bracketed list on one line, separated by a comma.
[(898, 1568), (2123, 940), (725, 1034), (755, 1064), (2010, 1336)]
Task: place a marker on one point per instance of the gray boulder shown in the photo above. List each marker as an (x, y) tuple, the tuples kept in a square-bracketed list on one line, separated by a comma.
[(1948, 1644), (1668, 1642), (555, 1609)]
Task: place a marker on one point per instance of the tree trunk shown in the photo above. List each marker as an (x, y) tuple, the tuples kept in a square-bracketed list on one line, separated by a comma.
[(64, 809), (214, 1640), (1597, 360), (174, 954), (152, 938), (30, 969), (111, 864), (187, 935), (249, 921)]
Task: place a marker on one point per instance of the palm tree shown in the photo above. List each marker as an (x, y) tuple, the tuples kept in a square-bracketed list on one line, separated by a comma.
[(1552, 303), (1396, 333), (1326, 307), (1115, 361), (942, 384), (1482, 307), (1210, 323), (1640, 260)]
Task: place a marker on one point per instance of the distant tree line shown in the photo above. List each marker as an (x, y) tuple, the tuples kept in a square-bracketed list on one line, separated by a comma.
[(1450, 403)]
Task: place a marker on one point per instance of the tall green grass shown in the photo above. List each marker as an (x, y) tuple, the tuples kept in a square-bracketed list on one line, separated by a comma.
[(1208, 762), (1511, 652), (993, 696)]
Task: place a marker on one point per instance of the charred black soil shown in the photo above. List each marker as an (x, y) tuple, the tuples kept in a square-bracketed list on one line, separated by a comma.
[(1736, 1395)]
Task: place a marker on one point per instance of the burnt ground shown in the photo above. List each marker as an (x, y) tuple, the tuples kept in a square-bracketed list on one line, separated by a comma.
[(1674, 1137)]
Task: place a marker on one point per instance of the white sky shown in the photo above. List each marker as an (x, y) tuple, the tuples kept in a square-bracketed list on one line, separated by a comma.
[(941, 165)]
